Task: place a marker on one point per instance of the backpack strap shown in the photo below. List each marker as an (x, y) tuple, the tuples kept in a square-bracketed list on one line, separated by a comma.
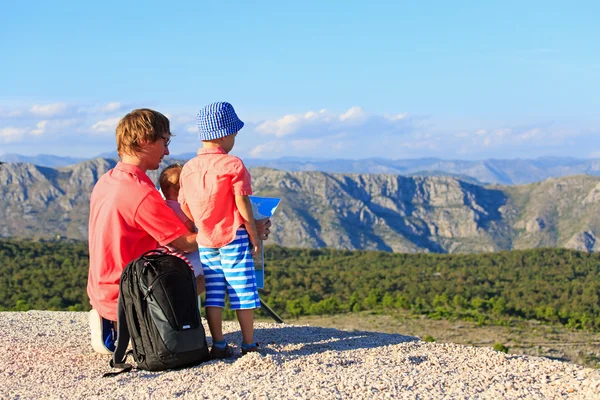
[(158, 250), (120, 353)]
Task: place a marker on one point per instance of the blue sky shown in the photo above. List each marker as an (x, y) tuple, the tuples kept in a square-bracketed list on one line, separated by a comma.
[(328, 79)]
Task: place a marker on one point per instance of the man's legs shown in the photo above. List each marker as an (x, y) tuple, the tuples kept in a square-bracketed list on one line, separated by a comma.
[(103, 333)]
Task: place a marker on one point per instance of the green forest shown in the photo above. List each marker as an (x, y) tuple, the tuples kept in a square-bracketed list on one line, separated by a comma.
[(550, 285)]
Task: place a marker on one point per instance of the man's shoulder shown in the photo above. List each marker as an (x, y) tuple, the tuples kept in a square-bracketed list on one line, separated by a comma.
[(118, 182)]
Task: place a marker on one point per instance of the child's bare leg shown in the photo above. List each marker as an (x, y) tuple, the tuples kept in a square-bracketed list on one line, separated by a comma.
[(214, 317), (246, 320)]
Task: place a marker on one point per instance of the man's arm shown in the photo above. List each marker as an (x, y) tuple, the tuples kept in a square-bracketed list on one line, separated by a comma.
[(186, 243)]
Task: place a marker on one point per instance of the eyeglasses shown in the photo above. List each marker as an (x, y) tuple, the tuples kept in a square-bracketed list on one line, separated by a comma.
[(167, 141)]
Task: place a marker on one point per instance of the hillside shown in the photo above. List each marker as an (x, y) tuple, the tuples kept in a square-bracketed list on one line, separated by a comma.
[(344, 211), (491, 171), (498, 171)]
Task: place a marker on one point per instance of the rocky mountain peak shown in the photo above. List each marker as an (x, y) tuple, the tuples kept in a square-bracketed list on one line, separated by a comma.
[(344, 211)]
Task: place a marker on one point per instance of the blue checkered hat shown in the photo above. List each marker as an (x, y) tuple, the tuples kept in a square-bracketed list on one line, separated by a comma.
[(218, 120)]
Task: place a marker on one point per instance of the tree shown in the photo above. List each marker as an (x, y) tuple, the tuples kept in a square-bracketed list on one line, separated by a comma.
[(387, 301), (294, 308), (372, 300)]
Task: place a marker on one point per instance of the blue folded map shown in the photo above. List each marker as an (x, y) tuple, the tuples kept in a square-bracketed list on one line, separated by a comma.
[(262, 207)]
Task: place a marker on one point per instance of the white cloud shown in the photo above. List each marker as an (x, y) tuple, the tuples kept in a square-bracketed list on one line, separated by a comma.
[(6, 113), (64, 126), (284, 126), (531, 140), (11, 134), (110, 107), (355, 133), (40, 128), (48, 110), (530, 134), (106, 125), (261, 150), (272, 149), (354, 121), (502, 132), (355, 114), (295, 123), (184, 124), (351, 133), (398, 117)]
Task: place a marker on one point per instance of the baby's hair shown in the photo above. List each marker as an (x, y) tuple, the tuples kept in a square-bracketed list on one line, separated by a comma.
[(169, 177)]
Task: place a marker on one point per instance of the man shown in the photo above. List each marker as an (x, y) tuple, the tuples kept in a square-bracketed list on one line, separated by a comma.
[(128, 217)]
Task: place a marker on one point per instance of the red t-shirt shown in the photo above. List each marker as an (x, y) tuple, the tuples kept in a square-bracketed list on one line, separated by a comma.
[(208, 184), (128, 217)]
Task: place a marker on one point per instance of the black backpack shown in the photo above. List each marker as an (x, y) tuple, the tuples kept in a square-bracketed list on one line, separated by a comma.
[(158, 309)]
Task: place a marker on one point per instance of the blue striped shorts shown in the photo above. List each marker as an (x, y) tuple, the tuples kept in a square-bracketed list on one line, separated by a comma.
[(230, 268)]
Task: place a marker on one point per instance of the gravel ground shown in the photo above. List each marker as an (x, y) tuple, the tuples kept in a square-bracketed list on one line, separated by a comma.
[(47, 355)]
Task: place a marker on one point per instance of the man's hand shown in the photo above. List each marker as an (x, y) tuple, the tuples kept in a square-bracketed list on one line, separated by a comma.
[(185, 243), (262, 228)]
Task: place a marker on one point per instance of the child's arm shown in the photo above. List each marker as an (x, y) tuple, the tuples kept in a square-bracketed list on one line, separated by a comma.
[(245, 208), (190, 225), (187, 212)]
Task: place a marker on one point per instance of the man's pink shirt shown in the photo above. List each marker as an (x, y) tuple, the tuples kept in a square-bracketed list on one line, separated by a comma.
[(127, 218), (208, 185)]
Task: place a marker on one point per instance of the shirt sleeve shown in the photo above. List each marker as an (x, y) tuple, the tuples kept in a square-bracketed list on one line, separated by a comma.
[(241, 181), (181, 195), (158, 220), (176, 207)]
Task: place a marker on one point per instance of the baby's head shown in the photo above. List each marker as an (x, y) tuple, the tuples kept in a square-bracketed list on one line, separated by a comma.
[(169, 181), (218, 124)]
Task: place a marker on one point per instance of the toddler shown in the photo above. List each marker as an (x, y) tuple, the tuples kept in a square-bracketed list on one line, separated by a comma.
[(214, 193)]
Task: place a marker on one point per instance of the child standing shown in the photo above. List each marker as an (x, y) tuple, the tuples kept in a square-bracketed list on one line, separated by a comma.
[(169, 186), (214, 189)]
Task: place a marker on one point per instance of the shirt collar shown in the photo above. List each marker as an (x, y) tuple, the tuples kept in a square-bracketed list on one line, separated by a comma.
[(134, 170), (211, 150)]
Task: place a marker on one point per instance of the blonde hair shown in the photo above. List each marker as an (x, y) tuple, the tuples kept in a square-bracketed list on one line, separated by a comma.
[(138, 126), (169, 178)]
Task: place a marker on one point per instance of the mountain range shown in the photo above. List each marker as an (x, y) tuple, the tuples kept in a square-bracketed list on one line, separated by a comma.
[(441, 214), (504, 172)]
